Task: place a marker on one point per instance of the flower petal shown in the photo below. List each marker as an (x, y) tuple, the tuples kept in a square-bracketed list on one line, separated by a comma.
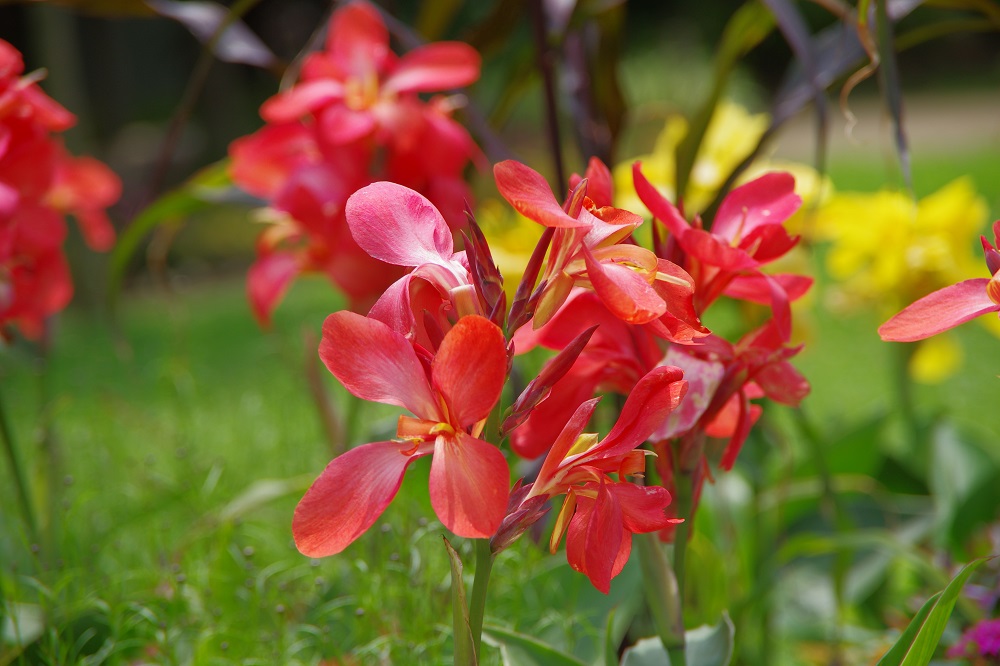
[(349, 496), (623, 291), (657, 204), (268, 280), (358, 41), (434, 67), (940, 311), (376, 363), (594, 538), (530, 195), (770, 199), (398, 226), (642, 506), (470, 369), (469, 485), (645, 410), (303, 99)]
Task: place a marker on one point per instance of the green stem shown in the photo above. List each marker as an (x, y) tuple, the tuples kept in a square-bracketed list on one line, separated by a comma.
[(683, 500), (20, 479), (480, 583)]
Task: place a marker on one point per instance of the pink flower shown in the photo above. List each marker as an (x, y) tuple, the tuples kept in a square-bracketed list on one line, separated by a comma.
[(450, 396), (400, 227), (947, 308)]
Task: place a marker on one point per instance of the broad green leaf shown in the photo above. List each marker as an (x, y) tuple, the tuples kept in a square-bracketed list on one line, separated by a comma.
[(521, 650), (647, 652), (704, 646), (746, 28), (918, 643), (465, 652), (710, 646)]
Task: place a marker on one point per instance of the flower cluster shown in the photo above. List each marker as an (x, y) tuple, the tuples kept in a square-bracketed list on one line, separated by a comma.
[(40, 183), (441, 339), (354, 117)]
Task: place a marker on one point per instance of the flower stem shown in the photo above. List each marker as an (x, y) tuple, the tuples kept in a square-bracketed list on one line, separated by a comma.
[(480, 583), (20, 479), (682, 533)]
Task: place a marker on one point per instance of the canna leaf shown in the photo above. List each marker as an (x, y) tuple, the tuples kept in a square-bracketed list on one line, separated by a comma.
[(916, 646)]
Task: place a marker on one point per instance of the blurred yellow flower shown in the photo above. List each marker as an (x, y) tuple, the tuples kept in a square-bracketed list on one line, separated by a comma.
[(732, 134), (889, 251)]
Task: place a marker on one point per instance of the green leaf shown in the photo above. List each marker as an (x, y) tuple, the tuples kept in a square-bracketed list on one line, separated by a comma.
[(710, 646), (704, 646), (520, 650), (746, 28), (917, 644), (465, 651), (610, 642), (202, 190), (958, 468), (262, 492), (22, 624)]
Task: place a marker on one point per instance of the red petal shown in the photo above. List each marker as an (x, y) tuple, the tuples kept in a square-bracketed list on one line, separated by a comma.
[(657, 204), (341, 125), (770, 199), (398, 226), (536, 435), (782, 383), (642, 506), (375, 363), (940, 311), (470, 369), (469, 485), (530, 195), (433, 67), (348, 497), (594, 538), (754, 287), (268, 280), (712, 250), (624, 291), (358, 41), (645, 410), (567, 438), (303, 99)]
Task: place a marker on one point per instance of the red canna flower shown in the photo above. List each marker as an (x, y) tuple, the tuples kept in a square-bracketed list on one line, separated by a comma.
[(602, 509), (951, 306), (354, 117), (747, 233), (588, 250), (40, 183), (616, 358), (358, 86), (450, 396)]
